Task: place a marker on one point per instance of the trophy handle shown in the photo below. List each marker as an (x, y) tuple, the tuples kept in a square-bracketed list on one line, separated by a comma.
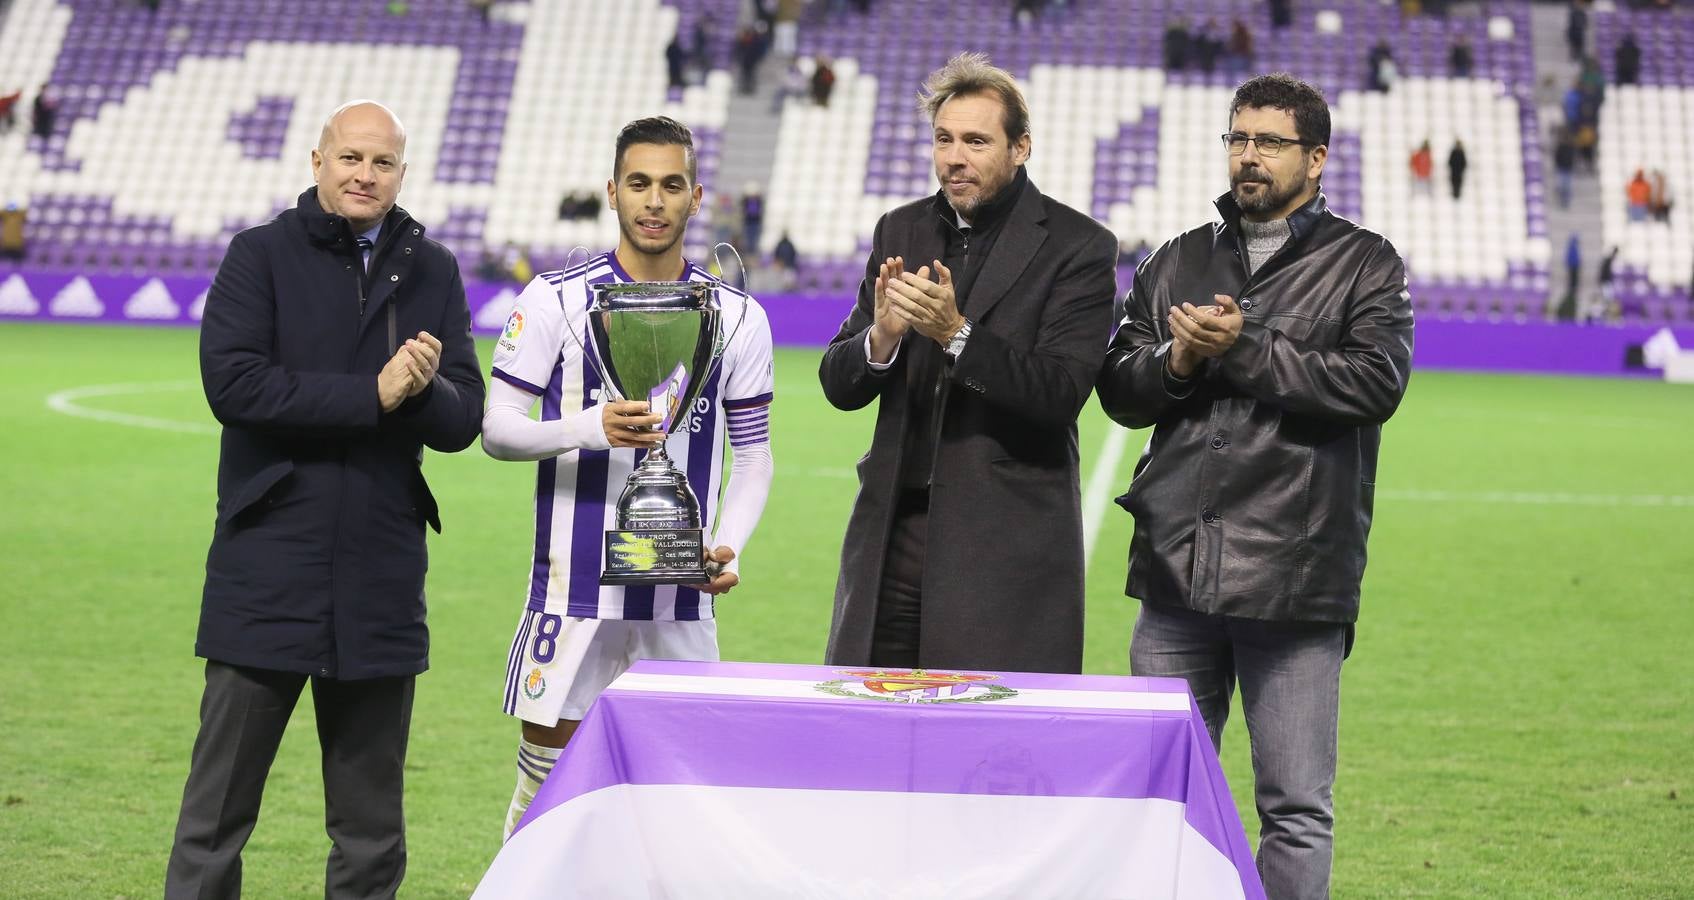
[(572, 255), (741, 266), (590, 354)]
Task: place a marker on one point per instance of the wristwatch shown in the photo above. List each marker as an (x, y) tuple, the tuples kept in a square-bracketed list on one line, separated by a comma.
[(956, 344)]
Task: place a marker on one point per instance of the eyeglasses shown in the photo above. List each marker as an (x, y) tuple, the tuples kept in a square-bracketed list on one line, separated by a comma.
[(1268, 144)]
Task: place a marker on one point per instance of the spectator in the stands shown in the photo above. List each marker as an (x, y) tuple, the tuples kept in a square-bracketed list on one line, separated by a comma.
[(13, 219), (699, 47), (1659, 198), (1281, 13), (676, 63), (1025, 12), (1591, 83), (44, 113), (516, 262), (1382, 71), (583, 205), (1576, 28), (1638, 193), (1207, 45), (785, 254), (1564, 164), (823, 81), (1457, 163), (1605, 303), (1460, 59), (1176, 46), (1240, 46), (1573, 271), (9, 110), (750, 47), (752, 217), (1626, 61), (1423, 169), (725, 221), (1587, 142)]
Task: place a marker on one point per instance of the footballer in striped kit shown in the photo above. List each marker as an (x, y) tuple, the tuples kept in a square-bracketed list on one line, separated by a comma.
[(576, 635)]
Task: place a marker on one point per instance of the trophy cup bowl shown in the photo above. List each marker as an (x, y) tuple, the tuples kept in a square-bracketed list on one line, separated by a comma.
[(656, 341)]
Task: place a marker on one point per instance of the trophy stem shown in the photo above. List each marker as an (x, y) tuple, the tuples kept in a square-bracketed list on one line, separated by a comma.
[(657, 455)]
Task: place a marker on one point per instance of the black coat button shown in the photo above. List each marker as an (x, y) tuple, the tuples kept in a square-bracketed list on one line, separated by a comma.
[(1208, 516), (1246, 303), (1217, 442)]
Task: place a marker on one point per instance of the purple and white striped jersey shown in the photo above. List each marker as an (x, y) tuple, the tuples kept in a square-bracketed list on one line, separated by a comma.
[(575, 491)]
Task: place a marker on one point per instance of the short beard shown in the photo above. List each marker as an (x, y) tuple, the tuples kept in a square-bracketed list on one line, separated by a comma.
[(634, 237), (1266, 201), (985, 195)]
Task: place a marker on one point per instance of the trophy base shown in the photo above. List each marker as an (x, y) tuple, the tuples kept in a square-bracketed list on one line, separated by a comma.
[(655, 556)]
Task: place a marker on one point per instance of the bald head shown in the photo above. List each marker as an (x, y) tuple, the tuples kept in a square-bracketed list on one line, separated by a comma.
[(360, 162), (366, 117)]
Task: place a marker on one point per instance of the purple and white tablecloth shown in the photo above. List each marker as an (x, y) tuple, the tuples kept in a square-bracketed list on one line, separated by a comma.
[(734, 780)]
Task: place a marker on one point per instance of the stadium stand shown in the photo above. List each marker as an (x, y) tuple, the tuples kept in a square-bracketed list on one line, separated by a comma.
[(1117, 135), (178, 127), (1647, 126)]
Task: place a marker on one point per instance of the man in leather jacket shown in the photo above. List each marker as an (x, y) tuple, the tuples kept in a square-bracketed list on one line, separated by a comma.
[(1252, 501)]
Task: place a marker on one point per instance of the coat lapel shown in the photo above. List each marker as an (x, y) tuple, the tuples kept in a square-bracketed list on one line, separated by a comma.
[(926, 243), (1019, 242)]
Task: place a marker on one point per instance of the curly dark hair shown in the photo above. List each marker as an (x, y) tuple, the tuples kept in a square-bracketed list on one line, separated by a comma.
[(1284, 91)]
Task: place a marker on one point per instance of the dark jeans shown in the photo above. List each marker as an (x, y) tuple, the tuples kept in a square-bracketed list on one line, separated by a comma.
[(1290, 676), (362, 728)]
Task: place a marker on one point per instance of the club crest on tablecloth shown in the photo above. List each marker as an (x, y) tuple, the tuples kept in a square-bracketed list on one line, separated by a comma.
[(917, 686)]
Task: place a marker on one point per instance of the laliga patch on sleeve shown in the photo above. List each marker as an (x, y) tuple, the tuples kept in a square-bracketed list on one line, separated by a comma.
[(513, 330)]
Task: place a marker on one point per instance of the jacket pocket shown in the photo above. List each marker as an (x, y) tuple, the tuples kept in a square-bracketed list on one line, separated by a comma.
[(1320, 331), (256, 489)]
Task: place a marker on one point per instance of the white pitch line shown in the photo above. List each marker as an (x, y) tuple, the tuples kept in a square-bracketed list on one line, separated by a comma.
[(66, 401), (1537, 498), (1098, 494)]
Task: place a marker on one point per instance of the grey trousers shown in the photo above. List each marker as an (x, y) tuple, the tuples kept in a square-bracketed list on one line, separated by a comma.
[(1290, 677), (362, 730)]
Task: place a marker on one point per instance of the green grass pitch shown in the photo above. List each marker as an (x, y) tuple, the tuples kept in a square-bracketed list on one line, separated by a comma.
[(1518, 714)]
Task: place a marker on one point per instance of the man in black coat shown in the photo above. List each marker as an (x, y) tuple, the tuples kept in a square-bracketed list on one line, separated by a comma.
[(1253, 500), (335, 346), (964, 548)]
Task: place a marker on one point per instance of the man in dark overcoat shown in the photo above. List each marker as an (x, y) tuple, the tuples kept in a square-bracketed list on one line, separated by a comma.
[(983, 316), (335, 346)]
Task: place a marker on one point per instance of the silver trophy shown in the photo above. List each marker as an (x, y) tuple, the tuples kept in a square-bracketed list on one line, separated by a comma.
[(657, 341)]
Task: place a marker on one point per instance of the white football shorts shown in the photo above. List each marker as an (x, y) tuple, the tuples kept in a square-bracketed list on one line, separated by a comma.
[(559, 664)]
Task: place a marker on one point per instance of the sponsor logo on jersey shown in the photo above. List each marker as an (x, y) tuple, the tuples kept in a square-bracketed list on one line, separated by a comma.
[(513, 330)]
